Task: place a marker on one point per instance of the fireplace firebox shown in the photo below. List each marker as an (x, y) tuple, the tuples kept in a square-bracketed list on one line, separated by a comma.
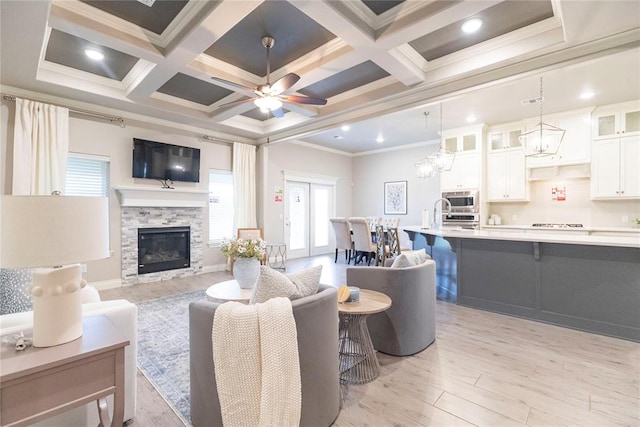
[(165, 248)]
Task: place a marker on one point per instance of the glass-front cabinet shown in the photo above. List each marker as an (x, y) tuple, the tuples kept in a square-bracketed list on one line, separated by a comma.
[(504, 138), (463, 140), (616, 122)]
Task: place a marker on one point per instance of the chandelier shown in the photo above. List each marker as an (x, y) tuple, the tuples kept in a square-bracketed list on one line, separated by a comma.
[(440, 160), (426, 168), (543, 139)]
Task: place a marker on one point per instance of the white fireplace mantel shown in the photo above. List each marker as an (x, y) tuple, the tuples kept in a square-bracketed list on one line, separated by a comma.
[(161, 197)]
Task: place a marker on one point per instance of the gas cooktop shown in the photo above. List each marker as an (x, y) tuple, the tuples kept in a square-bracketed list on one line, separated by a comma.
[(557, 225)]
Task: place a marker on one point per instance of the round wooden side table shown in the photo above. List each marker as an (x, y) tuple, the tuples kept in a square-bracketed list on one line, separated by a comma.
[(358, 361), (229, 291)]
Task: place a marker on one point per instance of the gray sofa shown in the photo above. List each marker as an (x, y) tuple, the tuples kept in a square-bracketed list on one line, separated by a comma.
[(316, 319), (409, 325)]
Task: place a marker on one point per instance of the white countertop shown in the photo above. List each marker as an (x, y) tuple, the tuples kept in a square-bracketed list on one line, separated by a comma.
[(632, 240)]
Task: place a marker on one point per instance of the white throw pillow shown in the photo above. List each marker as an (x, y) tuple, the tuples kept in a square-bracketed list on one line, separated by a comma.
[(307, 281), (410, 258), (272, 284)]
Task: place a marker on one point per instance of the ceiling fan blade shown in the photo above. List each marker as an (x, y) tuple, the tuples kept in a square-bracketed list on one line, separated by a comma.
[(239, 88), (277, 112), (285, 83), (234, 103), (298, 99)]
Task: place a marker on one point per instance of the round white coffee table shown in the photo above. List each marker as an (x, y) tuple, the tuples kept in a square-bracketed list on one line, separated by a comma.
[(228, 291)]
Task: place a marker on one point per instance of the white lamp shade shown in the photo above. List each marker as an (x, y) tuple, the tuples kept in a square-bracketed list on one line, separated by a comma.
[(39, 231)]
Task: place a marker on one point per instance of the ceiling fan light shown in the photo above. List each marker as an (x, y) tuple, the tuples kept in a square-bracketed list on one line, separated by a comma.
[(268, 103)]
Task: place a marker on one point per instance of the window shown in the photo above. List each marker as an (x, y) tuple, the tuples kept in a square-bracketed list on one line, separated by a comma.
[(220, 205), (87, 175)]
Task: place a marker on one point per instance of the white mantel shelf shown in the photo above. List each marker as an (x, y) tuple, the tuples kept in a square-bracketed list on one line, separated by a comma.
[(161, 197)]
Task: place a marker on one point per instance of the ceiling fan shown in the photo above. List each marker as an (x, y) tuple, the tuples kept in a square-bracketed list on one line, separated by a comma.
[(270, 96)]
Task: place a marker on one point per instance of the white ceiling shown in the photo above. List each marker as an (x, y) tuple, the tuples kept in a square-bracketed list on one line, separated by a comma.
[(586, 43), (613, 78)]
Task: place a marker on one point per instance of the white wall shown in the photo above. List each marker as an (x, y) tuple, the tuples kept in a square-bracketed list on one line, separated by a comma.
[(300, 158), (371, 171), (94, 136)]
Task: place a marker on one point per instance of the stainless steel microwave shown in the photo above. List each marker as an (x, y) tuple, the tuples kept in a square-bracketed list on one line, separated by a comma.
[(463, 201)]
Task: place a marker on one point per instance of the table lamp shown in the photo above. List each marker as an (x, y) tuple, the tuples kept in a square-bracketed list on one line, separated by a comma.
[(55, 233)]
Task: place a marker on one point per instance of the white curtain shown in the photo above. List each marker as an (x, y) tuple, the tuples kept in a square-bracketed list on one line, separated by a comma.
[(244, 185), (40, 146)]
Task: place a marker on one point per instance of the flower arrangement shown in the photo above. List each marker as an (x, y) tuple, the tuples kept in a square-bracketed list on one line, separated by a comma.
[(243, 248)]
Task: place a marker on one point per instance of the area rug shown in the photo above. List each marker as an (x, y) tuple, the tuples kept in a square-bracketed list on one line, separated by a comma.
[(163, 347)]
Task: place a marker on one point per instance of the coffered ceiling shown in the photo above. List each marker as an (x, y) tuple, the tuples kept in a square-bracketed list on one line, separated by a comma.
[(367, 58)]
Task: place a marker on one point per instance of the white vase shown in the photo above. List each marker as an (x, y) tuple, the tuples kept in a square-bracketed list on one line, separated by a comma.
[(246, 271)]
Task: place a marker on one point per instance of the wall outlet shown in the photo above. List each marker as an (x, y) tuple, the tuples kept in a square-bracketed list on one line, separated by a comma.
[(625, 218), (514, 217)]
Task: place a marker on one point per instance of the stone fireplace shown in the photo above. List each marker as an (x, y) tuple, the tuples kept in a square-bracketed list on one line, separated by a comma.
[(169, 213)]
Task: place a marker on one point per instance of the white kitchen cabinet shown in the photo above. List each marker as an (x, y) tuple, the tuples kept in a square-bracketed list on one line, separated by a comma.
[(506, 176), (504, 138), (463, 140), (575, 146), (615, 171), (465, 173), (467, 166), (624, 121)]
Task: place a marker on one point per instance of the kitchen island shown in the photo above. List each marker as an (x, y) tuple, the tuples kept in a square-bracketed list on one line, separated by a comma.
[(586, 282)]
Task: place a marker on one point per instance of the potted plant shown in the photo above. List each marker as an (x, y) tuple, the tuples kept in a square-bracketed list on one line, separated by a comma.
[(245, 255)]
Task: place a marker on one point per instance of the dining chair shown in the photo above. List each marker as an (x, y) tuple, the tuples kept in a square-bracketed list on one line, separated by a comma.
[(362, 239), (372, 221), (393, 242), (381, 245), (391, 222), (343, 237)]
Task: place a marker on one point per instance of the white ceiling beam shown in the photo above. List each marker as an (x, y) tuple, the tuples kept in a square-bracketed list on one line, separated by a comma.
[(346, 25), (192, 43), (424, 21)]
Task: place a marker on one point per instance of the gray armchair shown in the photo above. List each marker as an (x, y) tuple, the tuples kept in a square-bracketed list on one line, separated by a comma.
[(316, 319), (409, 325)]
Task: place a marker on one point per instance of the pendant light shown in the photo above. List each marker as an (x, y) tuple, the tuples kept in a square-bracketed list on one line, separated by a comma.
[(543, 139), (426, 168), (442, 158)]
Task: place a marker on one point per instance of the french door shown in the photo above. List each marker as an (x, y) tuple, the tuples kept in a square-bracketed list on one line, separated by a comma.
[(308, 207)]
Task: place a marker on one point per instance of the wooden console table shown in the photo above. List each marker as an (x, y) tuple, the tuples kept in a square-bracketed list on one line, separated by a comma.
[(40, 382)]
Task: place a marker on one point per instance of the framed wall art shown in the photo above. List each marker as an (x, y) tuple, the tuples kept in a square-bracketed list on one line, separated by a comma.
[(395, 198)]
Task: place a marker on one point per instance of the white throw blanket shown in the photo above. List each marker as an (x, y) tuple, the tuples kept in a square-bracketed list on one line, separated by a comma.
[(255, 352)]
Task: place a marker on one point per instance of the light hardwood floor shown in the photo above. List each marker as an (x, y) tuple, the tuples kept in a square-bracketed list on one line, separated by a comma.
[(484, 369)]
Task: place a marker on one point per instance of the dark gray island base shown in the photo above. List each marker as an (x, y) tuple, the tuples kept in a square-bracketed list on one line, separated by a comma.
[(582, 286)]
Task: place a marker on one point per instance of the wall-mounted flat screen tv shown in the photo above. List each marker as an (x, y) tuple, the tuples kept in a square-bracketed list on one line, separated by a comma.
[(156, 160)]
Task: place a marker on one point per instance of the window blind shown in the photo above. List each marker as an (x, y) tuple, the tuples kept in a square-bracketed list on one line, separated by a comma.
[(87, 175), (220, 205)]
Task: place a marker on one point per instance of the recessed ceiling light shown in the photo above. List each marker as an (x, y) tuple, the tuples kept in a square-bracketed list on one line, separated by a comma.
[(345, 127), (94, 54), (472, 25), (380, 139), (586, 94), (471, 118), (338, 137)]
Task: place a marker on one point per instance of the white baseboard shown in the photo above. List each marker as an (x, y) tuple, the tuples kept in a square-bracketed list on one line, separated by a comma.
[(107, 284)]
